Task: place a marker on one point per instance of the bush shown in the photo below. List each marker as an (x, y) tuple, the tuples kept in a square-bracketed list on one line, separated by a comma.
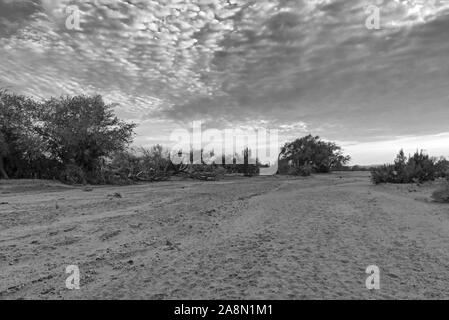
[(303, 171), (384, 174), (442, 168), (73, 174), (415, 169), (218, 170), (442, 193), (249, 170), (154, 158)]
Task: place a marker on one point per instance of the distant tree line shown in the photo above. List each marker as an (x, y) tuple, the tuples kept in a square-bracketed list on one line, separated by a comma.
[(80, 140)]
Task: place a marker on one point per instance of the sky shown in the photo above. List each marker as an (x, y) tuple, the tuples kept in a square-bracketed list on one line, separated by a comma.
[(298, 66)]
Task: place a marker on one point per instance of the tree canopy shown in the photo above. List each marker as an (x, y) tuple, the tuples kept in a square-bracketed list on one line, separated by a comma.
[(41, 139), (323, 156), (81, 129)]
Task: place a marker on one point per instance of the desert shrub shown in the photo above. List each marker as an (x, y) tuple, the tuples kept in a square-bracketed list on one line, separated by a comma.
[(249, 170), (154, 158), (303, 171), (124, 163), (201, 168), (384, 174), (124, 166), (415, 169), (442, 168), (73, 174), (420, 167), (108, 175), (218, 170), (442, 193)]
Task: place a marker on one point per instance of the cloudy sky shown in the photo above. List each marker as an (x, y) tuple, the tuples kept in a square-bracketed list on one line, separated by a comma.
[(300, 66)]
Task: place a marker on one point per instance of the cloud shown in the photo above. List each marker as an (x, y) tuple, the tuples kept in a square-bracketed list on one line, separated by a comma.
[(234, 62)]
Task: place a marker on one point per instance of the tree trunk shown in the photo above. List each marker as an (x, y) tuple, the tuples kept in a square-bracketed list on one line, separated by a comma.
[(3, 174), (245, 161)]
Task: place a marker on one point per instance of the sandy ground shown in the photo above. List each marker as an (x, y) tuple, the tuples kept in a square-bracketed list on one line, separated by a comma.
[(240, 238)]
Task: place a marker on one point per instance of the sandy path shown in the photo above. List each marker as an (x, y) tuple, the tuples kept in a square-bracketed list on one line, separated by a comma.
[(264, 237)]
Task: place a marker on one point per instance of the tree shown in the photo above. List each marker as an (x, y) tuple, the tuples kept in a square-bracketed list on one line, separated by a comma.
[(4, 151), (19, 145), (80, 130), (321, 155), (401, 161), (246, 155)]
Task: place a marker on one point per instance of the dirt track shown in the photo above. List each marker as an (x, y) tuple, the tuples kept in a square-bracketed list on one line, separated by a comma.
[(265, 237)]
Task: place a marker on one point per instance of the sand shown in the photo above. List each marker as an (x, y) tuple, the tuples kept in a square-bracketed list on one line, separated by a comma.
[(238, 238)]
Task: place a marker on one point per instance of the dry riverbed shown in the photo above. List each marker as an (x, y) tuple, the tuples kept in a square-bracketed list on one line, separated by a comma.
[(238, 238)]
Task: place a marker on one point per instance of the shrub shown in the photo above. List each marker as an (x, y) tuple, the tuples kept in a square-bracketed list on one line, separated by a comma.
[(249, 170), (442, 193), (384, 174), (303, 171), (420, 167), (218, 170), (125, 163), (154, 158), (73, 174), (442, 168), (415, 169)]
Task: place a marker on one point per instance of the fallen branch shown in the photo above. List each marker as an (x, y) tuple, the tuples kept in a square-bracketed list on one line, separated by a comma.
[(157, 176)]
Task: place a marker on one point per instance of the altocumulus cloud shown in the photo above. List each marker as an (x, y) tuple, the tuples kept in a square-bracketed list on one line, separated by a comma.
[(300, 66)]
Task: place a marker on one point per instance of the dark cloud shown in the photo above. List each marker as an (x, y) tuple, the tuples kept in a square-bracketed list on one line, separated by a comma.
[(14, 15)]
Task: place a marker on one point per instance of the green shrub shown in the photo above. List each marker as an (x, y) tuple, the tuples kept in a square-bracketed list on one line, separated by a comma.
[(442, 168), (442, 193), (154, 158), (415, 169), (384, 174), (249, 170), (73, 174), (219, 170), (303, 171)]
